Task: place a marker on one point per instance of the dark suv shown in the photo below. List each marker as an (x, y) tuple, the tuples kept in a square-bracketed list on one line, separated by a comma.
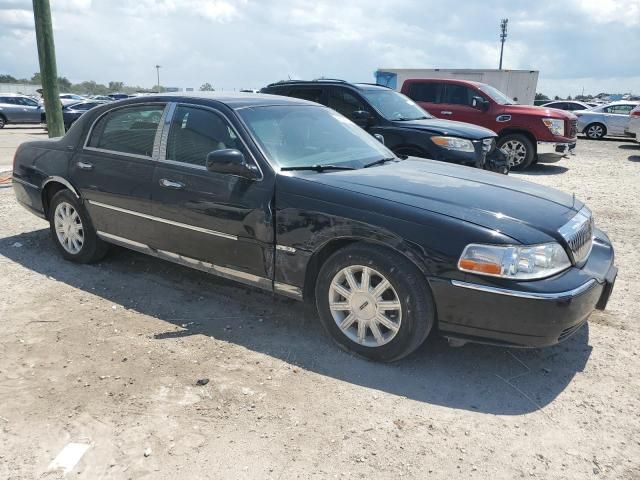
[(399, 123)]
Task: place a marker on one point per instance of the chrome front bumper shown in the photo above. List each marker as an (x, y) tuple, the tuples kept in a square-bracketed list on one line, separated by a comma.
[(549, 152)]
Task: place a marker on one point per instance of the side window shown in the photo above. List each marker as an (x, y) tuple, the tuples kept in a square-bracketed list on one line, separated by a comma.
[(311, 94), (196, 132), (129, 130), (458, 94), (344, 102), (619, 109), (424, 92)]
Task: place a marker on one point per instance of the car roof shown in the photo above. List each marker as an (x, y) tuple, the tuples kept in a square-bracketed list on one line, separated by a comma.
[(232, 100), (330, 81), (13, 95)]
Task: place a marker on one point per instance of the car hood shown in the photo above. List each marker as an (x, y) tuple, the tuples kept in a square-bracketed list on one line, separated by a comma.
[(447, 127), (537, 111), (524, 211)]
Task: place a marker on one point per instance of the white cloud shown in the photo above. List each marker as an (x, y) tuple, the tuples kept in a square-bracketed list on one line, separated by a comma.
[(248, 43)]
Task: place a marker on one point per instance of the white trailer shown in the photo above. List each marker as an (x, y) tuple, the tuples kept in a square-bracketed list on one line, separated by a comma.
[(517, 84)]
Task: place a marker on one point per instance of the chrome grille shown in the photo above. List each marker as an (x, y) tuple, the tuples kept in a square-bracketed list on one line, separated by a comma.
[(578, 233)]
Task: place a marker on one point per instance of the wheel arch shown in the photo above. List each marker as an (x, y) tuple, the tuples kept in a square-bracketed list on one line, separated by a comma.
[(50, 187), (320, 256)]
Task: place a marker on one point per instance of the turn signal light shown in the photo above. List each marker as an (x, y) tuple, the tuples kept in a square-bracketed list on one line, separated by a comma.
[(480, 267)]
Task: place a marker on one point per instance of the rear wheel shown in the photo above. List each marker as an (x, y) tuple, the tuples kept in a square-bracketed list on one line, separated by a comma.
[(595, 131), (518, 149), (71, 229), (3, 121), (374, 302)]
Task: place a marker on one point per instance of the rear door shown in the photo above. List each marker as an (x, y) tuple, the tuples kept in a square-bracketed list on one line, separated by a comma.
[(30, 109), (427, 95), (617, 118), (114, 171), (222, 219)]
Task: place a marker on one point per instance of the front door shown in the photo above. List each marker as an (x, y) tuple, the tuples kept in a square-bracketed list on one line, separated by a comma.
[(114, 171), (221, 219), (456, 104)]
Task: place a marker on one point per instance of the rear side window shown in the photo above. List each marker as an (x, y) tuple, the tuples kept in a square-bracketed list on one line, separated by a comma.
[(196, 132), (424, 92), (130, 130), (619, 109), (311, 94)]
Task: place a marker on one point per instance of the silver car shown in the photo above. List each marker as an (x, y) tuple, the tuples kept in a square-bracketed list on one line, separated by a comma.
[(16, 108), (611, 119)]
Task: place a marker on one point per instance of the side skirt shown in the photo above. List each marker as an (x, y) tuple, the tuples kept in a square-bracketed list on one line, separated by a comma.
[(224, 272)]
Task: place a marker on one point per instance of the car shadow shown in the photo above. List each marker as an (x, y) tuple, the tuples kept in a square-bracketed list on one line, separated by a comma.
[(538, 169), (607, 139), (633, 146), (479, 378), (634, 158)]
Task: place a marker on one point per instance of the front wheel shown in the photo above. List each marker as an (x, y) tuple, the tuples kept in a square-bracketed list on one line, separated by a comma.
[(71, 229), (518, 149), (374, 302), (595, 131)]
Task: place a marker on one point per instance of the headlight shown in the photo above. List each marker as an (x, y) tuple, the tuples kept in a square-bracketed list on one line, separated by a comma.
[(526, 262), (555, 125), (454, 143)]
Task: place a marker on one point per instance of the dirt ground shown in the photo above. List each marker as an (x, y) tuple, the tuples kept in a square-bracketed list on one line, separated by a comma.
[(109, 355)]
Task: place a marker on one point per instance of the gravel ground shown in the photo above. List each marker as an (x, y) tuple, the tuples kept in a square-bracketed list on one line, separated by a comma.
[(109, 355)]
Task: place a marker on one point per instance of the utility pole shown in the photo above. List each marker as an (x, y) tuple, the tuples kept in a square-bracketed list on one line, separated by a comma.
[(48, 69), (503, 37), (158, 67)]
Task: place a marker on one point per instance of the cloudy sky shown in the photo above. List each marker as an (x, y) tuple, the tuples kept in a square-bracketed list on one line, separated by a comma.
[(593, 44)]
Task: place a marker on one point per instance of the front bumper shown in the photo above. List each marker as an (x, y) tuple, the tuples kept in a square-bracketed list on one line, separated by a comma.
[(527, 314), (549, 152)]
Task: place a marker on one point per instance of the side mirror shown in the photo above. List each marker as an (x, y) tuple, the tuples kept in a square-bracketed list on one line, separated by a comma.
[(229, 161), (480, 103), (379, 137), (362, 118)]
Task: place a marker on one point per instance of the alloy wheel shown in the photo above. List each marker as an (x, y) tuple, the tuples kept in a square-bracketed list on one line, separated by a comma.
[(69, 229), (365, 306), (595, 131), (515, 151)]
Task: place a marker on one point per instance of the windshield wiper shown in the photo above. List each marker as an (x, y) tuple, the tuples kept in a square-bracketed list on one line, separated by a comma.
[(380, 162), (317, 168), (403, 119)]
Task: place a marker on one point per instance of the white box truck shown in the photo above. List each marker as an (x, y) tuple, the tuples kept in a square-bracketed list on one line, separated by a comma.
[(517, 84)]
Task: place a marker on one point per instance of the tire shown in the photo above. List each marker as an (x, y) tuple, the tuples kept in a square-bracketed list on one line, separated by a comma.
[(68, 219), (3, 121), (408, 320), (518, 149), (595, 131)]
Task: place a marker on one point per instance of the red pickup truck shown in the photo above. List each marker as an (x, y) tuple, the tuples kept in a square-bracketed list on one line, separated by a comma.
[(527, 134)]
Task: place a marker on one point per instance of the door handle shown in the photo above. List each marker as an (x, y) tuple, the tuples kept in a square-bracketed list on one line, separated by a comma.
[(85, 165), (446, 112), (171, 184)]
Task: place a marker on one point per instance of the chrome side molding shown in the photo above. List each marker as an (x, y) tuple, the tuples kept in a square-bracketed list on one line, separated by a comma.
[(224, 272), (530, 295), (163, 220)]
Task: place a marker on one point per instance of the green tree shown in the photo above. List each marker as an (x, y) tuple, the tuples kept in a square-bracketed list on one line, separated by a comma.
[(64, 85), (541, 96), (36, 79), (8, 79), (116, 86), (556, 97), (206, 87)]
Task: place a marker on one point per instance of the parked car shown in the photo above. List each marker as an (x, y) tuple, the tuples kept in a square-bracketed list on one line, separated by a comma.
[(403, 126), (633, 128), (289, 196), (527, 134), (118, 96), (611, 119), (69, 98), (71, 112), (101, 97), (571, 105), (15, 108)]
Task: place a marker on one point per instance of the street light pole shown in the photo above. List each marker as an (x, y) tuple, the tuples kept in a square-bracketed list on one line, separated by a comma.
[(503, 37), (158, 72), (48, 69)]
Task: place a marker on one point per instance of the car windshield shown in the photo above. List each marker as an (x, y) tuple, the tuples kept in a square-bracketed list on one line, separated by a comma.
[(307, 136), (394, 106), (497, 95)]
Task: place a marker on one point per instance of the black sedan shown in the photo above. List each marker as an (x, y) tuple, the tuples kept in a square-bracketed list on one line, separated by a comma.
[(72, 112), (292, 197)]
